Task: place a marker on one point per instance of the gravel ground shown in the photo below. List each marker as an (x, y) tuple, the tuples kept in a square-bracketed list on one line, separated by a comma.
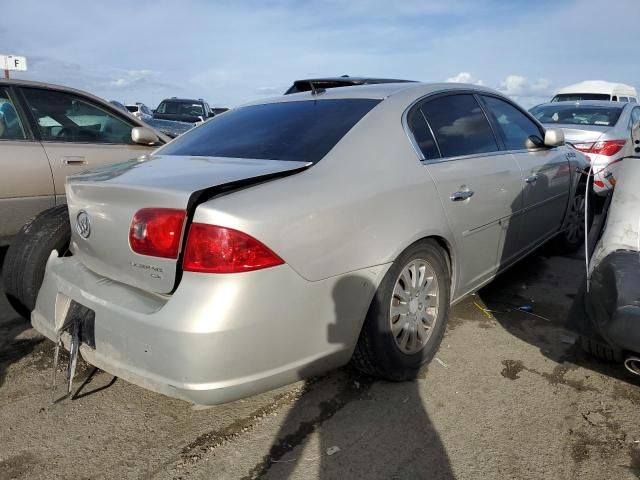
[(508, 396)]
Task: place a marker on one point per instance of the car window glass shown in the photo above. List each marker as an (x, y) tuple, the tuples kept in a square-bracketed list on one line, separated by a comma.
[(514, 125), (459, 125), (635, 115), (632, 100), (422, 134), (180, 107), (62, 117), (577, 114), (624, 99), (303, 131), (10, 124)]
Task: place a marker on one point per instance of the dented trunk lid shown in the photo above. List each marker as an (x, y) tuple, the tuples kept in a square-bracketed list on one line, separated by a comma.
[(110, 196)]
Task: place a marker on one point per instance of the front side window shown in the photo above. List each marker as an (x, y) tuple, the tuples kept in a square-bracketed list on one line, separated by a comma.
[(514, 125), (459, 125), (10, 124), (635, 116), (63, 117), (301, 131)]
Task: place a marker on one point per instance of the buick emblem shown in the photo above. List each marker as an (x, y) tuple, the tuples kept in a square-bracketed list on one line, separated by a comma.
[(83, 224)]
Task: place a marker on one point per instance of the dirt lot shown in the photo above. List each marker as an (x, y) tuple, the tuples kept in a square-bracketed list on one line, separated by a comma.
[(508, 397)]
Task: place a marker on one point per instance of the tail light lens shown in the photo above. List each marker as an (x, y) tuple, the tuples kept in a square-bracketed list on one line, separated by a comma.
[(214, 249), (606, 147), (156, 232)]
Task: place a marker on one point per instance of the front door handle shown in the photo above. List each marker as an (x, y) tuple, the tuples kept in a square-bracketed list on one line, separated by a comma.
[(532, 179), (74, 161), (461, 195)]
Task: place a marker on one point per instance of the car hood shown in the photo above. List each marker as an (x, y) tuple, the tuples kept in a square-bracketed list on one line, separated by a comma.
[(110, 197)]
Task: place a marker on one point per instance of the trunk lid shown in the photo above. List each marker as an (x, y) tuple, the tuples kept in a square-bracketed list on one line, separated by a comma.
[(583, 134), (110, 197)]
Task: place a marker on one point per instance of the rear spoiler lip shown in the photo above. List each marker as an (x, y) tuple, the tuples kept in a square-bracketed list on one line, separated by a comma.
[(200, 196)]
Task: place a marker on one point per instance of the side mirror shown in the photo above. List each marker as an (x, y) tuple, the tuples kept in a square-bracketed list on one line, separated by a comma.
[(534, 142), (554, 137), (144, 136)]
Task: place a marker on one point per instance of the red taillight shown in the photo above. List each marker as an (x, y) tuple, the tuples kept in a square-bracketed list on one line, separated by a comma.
[(214, 249), (606, 147), (156, 232)]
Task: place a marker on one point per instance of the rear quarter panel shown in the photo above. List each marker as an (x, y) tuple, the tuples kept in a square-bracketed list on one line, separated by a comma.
[(360, 206)]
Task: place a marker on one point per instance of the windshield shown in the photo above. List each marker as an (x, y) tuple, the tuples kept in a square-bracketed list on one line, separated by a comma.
[(180, 107), (574, 97), (577, 114), (298, 131)]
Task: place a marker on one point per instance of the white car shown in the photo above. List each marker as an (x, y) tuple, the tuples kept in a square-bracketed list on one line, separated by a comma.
[(600, 129), (140, 111)]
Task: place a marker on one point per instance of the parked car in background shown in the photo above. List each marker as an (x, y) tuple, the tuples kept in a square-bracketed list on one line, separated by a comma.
[(223, 266), (48, 132), (183, 110), (601, 129), (140, 111), (335, 82), (171, 128), (597, 90)]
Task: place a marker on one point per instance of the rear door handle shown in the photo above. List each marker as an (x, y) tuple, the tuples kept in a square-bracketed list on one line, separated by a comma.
[(74, 161), (531, 179), (461, 195)]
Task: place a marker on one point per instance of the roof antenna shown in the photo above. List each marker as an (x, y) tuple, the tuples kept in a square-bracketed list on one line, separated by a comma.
[(315, 91)]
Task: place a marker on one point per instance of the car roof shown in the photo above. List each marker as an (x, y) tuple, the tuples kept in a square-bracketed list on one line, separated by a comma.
[(377, 91), (175, 99), (304, 85)]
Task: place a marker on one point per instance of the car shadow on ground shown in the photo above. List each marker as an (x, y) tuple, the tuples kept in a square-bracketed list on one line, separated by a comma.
[(547, 283), (386, 436)]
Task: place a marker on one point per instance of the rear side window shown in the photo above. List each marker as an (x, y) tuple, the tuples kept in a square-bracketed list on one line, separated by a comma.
[(422, 134), (302, 131), (624, 99), (459, 125), (515, 127)]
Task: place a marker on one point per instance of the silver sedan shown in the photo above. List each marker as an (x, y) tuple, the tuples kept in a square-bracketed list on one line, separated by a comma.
[(290, 236)]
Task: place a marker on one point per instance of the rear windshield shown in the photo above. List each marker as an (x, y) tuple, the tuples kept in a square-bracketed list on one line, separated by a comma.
[(574, 97), (577, 114), (302, 131)]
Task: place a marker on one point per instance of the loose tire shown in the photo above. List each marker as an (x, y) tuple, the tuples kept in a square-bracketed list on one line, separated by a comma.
[(408, 314), (27, 256), (572, 236)]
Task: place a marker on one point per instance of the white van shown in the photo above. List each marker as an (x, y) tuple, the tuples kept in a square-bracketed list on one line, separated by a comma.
[(597, 90)]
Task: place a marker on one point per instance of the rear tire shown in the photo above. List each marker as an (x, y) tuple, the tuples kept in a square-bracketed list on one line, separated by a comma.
[(395, 345), (572, 236), (27, 256)]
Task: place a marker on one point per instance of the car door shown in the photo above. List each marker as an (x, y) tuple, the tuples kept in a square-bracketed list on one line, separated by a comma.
[(26, 184), (478, 184), (78, 133), (547, 178)]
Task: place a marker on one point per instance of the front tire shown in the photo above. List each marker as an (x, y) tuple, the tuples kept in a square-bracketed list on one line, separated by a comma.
[(27, 256), (408, 315)]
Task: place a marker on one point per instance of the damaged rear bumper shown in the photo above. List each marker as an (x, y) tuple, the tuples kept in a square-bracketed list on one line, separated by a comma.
[(218, 337)]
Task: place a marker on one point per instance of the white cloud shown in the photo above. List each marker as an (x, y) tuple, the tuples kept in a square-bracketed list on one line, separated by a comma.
[(465, 77), (525, 91)]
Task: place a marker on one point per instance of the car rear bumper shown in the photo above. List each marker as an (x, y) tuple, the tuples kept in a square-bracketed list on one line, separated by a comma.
[(218, 337)]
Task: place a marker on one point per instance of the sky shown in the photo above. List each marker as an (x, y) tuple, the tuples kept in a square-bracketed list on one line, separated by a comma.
[(237, 51)]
